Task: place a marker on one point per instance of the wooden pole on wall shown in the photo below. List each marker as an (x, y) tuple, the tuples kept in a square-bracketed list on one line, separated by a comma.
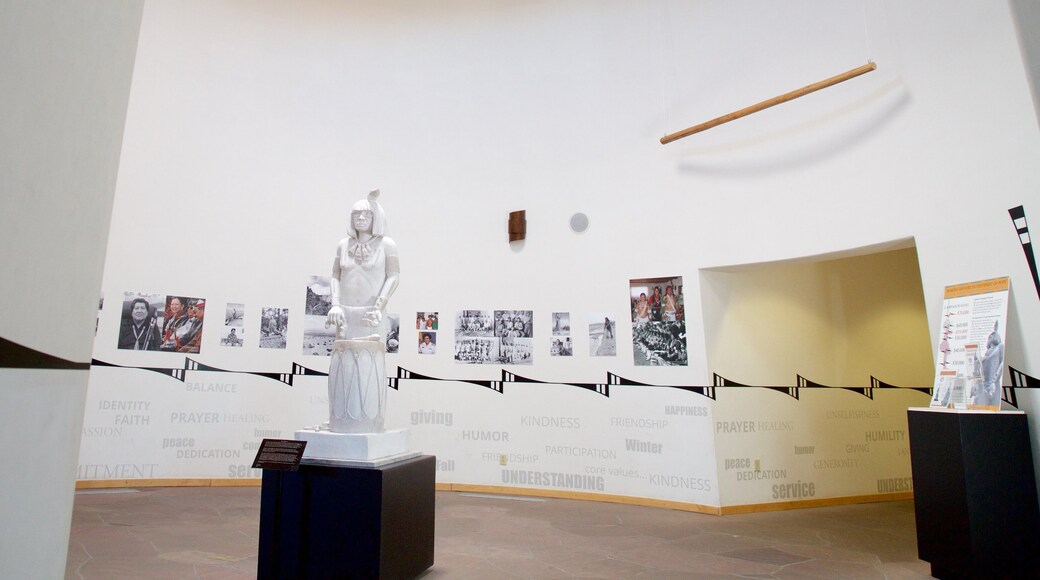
[(770, 102)]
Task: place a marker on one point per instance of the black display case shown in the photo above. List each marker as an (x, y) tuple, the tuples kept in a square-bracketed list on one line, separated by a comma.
[(975, 497), (348, 522)]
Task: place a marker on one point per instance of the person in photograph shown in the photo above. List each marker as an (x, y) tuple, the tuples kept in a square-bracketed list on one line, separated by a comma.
[(427, 346), (608, 328), (175, 320), (139, 330), (431, 324), (232, 338), (191, 340), (419, 321), (642, 313), (669, 312), (992, 368), (655, 304)]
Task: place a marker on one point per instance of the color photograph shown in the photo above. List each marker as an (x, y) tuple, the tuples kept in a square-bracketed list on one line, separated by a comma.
[(427, 320), (658, 321), (183, 319), (427, 342)]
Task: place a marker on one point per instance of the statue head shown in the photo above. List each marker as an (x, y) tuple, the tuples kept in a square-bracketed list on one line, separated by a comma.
[(378, 216)]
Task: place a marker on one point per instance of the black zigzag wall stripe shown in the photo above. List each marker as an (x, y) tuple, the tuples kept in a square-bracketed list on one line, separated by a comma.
[(16, 356), (1018, 219)]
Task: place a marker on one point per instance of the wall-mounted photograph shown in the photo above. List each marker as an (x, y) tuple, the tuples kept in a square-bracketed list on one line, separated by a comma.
[(234, 314), (393, 333), (317, 337), (427, 342), (427, 320), (233, 336), (183, 319), (658, 321), (602, 335), (273, 324), (141, 321)]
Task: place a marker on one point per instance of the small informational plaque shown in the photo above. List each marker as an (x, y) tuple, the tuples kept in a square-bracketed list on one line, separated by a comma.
[(280, 454)]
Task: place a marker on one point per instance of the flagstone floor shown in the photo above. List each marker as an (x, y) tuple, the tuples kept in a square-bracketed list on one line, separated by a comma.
[(212, 533)]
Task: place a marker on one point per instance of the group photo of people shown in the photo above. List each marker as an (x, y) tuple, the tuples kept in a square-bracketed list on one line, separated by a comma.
[(427, 320), (476, 350), (474, 323), (514, 323), (658, 321)]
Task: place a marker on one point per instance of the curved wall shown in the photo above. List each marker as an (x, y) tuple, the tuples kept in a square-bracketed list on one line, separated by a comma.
[(253, 127)]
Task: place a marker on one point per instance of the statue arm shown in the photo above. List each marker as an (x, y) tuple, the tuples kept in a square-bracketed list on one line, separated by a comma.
[(335, 316), (393, 273)]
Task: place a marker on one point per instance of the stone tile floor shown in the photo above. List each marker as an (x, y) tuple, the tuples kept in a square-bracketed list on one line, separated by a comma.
[(211, 533)]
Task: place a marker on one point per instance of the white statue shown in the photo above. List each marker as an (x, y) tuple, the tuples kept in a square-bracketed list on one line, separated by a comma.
[(364, 276)]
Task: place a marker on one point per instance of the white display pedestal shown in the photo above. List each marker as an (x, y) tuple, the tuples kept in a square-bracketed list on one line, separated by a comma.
[(355, 449)]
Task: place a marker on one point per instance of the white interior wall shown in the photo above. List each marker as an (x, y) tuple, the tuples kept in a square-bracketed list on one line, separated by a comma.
[(253, 127), (66, 71), (836, 321)]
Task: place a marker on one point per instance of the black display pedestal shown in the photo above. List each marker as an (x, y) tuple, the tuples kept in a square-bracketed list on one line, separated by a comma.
[(974, 493), (348, 522)]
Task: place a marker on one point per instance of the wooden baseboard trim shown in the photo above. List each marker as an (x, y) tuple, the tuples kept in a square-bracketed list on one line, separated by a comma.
[(119, 483), (580, 495), (814, 503), (529, 492)]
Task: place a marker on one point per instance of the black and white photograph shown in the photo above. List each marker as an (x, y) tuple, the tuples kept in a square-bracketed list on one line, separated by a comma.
[(393, 333), (100, 307), (427, 320), (516, 351), (273, 325), (183, 319), (514, 323), (427, 342), (658, 321), (141, 321), (561, 346), (561, 323), (318, 338), (234, 314), (474, 323), (233, 336), (561, 335), (602, 335), (476, 350)]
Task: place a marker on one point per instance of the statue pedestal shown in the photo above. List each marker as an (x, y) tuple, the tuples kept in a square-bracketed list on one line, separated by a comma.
[(348, 522), (360, 449)]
